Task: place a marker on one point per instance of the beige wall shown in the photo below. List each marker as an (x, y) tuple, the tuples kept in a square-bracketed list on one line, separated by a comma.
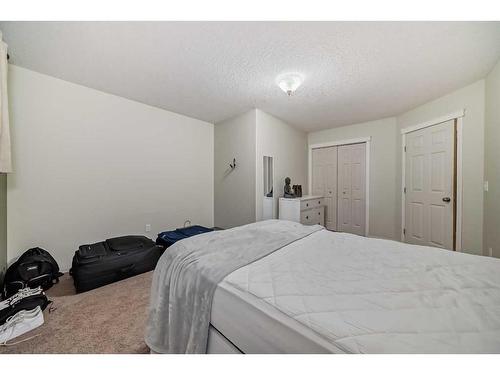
[(234, 201), (470, 98), (3, 225), (492, 163), (288, 147), (89, 165), (382, 169), (249, 137), (385, 164)]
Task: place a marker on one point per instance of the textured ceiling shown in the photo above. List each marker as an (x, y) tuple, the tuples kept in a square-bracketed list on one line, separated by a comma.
[(354, 71)]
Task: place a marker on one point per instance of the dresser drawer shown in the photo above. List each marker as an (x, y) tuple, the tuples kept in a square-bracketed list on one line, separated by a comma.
[(313, 216), (311, 203), (307, 210)]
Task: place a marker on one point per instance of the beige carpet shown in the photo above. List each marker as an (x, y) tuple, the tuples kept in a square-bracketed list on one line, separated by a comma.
[(110, 319)]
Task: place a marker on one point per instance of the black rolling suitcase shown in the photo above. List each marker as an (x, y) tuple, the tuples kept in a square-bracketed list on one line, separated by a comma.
[(115, 259)]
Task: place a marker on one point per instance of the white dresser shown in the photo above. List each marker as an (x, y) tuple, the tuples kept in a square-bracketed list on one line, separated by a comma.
[(307, 210)]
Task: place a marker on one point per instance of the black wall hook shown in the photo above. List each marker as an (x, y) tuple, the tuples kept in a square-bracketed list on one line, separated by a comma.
[(233, 165)]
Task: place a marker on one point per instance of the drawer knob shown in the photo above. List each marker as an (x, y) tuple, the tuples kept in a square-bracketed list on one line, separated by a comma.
[(307, 204), (319, 213), (307, 217), (319, 202)]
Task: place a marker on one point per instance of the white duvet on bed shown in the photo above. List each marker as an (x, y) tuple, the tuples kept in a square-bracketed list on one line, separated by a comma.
[(377, 296)]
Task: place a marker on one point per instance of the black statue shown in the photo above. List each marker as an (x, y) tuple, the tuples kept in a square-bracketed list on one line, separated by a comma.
[(288, 192)]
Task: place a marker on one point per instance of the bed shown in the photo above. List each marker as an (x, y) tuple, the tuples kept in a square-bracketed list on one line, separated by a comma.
[(330, 292)]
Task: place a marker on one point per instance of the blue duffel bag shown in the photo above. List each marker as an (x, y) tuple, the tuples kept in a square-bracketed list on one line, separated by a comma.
[(170, 237), (194, 230)]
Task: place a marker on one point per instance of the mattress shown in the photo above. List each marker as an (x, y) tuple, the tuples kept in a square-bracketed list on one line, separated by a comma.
[(254, 326), (341, 293)]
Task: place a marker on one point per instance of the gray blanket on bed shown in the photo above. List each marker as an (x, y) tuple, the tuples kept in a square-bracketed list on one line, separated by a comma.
[(187, 275)]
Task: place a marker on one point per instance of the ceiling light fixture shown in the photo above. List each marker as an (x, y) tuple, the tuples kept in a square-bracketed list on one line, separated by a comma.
[(289, 82)]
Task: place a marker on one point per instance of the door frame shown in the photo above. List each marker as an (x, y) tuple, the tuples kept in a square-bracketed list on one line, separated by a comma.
[(458, 116), (366, 141)]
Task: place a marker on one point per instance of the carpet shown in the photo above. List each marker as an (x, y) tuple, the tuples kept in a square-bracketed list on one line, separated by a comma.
[(110, 319)]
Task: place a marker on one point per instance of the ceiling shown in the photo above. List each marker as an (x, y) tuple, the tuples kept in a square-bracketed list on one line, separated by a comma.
[(354, 71)]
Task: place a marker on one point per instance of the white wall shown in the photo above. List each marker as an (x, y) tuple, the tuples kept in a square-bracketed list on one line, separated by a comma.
[(288, 147), (234, 202), (89, 165), (472, 99), (492, 163), (382, 169), (249, 137)]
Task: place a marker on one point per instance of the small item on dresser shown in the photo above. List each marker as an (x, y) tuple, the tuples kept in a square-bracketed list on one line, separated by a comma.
[(288, 191), (297, 189)]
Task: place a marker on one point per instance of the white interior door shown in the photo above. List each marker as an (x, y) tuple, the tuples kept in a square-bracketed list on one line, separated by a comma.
[(429, 174), (324, 181), (352, 188)]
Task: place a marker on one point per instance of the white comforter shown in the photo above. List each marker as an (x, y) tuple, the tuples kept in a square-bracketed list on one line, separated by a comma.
[(376, 296)]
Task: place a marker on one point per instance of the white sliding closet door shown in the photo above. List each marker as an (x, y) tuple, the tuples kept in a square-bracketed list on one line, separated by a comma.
[(352, 188), (324, 181), (429, 186)]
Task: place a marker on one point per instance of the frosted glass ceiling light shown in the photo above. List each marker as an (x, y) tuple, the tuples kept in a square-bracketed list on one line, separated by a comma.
[(289, 82)]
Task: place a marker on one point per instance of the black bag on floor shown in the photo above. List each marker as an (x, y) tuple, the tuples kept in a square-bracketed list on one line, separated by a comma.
[(112, 260), (168, 238), (36, 267)]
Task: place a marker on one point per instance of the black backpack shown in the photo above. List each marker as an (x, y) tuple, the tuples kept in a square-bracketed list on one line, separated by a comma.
[(34, 268)]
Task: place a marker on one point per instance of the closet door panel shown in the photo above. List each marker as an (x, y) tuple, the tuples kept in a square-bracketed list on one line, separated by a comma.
[(317, 172), (344, 193), (324, 181), (358, 179), (330, 191), (352, 188), (318, 180)]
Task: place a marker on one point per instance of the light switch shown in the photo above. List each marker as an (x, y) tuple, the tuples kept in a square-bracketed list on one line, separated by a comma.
[(148, 228)]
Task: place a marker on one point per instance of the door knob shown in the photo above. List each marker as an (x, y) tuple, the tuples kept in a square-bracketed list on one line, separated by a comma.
[(446, 199)]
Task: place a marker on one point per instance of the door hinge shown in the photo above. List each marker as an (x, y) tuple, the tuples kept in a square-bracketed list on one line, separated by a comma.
[(404, 231), (405, 148), (404, 189)]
